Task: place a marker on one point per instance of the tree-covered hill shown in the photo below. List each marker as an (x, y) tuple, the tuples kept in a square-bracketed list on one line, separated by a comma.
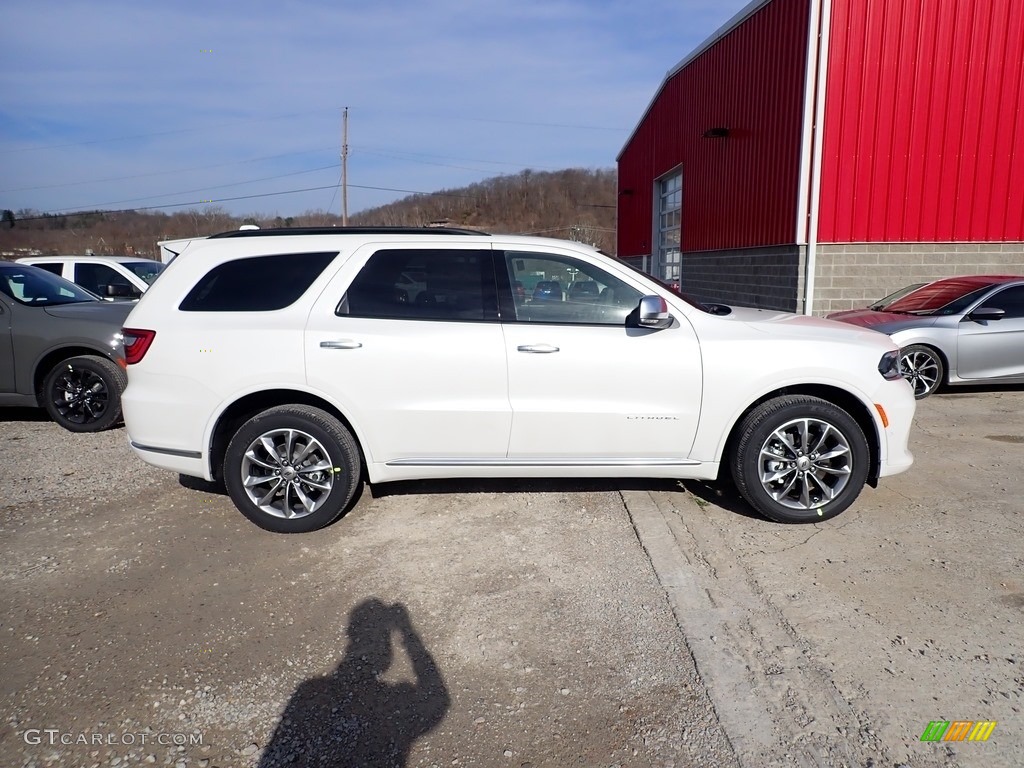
[(572, 204)]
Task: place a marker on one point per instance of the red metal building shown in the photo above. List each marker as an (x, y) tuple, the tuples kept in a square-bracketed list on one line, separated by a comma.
[(813, 155)]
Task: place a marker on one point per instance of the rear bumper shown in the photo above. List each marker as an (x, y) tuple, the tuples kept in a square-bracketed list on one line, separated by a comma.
[(184, 462)]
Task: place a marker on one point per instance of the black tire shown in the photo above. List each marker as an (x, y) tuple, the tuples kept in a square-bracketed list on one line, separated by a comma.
[(795, 487), (923, 368), (83, 394), (318, 440)]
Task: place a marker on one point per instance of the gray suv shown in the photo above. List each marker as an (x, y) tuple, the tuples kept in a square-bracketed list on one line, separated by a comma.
[(60, 348)]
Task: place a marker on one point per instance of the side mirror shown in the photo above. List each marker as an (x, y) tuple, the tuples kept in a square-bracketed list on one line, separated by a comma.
[(120, 291), (653, 313), (987, 313)]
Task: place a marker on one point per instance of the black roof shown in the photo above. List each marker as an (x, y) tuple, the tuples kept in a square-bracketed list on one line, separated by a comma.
[(347, 231)]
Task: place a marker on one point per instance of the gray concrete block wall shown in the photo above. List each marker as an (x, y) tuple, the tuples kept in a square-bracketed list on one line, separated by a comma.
[(852, 275), (846, 275), (769, 278)]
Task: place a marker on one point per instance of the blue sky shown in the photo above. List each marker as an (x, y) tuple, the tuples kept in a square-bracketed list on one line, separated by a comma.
[(118, 104)]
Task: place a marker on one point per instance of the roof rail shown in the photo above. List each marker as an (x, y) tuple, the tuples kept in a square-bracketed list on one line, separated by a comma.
[(284, 231)]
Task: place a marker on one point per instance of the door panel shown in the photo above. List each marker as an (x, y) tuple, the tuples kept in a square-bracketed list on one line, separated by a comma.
[(583, 386), (7, 381), (418, 384), (606, 393), (992, 349)]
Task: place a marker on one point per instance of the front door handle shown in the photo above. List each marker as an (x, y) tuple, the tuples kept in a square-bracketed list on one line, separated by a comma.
[(538, 349), (344, 344)]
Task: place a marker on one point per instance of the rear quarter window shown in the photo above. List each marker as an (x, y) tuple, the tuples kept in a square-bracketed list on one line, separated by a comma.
[(257, 283)]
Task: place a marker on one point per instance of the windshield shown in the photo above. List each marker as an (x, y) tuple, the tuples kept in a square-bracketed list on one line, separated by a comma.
[(944, 297), (36, 287), (147, 270), (883, 304)]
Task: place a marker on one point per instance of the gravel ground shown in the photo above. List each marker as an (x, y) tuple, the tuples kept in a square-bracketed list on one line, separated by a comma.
[(436, 624), (837, 644), (514, 624)]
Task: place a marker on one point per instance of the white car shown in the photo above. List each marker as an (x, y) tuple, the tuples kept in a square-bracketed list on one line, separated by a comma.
[(109, 277), (291, 365)]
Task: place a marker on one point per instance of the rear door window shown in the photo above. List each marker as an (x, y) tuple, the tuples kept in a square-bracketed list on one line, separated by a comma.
[(424, 284)]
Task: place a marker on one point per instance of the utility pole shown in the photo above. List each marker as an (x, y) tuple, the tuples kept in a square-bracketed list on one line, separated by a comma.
[(344, 168)]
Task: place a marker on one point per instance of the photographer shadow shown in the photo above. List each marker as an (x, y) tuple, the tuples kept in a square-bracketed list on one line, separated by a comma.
[(353, 717)]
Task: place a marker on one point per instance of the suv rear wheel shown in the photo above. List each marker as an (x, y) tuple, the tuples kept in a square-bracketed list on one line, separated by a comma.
[(292, 469), (83, 394), (800, 459)]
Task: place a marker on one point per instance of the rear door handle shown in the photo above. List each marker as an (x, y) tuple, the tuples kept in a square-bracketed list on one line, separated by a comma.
[(538, 349), (343, 344)]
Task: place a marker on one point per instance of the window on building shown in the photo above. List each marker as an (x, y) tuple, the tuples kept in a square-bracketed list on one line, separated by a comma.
[(670, 207)]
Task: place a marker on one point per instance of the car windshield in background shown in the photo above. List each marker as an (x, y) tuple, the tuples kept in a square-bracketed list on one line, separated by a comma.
[(147, 270), (35, 287), (944, 297), (882, 305)]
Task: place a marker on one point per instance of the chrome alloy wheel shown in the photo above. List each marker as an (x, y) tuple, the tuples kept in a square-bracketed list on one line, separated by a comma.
[(287, 473), (805, 463), (79, 395), (922, 369)]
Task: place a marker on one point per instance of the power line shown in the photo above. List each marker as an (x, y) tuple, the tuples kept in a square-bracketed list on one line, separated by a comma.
[(412, 157), (544, 125), (166, 173), (230, 199), (88, 142), (402, 155), (377, 151), (203, 189), (571, 228), (178, 131)]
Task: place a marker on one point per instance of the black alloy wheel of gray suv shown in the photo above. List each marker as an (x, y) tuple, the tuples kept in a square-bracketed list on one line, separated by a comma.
[(60, 349)]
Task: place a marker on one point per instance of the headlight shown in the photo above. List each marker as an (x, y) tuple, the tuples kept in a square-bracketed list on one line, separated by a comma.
[(889, 365)]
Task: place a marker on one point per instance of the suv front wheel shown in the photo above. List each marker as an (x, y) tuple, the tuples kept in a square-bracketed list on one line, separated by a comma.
[(292, 469), (800, 459)]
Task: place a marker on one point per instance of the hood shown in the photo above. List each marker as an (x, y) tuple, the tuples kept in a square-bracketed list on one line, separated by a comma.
[(114, 312), (884, 322), (775, 323)]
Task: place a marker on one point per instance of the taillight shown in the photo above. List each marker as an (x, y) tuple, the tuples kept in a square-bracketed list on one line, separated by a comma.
[(136, 344)]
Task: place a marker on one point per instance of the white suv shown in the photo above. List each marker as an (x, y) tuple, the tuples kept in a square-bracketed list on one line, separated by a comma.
[(292, 364), (109, 277)]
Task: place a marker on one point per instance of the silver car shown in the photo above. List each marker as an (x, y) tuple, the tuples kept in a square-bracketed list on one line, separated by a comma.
[(959, 330), (60, 348)]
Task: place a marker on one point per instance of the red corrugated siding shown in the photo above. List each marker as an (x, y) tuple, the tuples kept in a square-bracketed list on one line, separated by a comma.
[(740, 191), (924, 126)]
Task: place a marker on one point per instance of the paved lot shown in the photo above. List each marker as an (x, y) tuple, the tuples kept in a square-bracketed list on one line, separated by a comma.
[(513, 624)]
